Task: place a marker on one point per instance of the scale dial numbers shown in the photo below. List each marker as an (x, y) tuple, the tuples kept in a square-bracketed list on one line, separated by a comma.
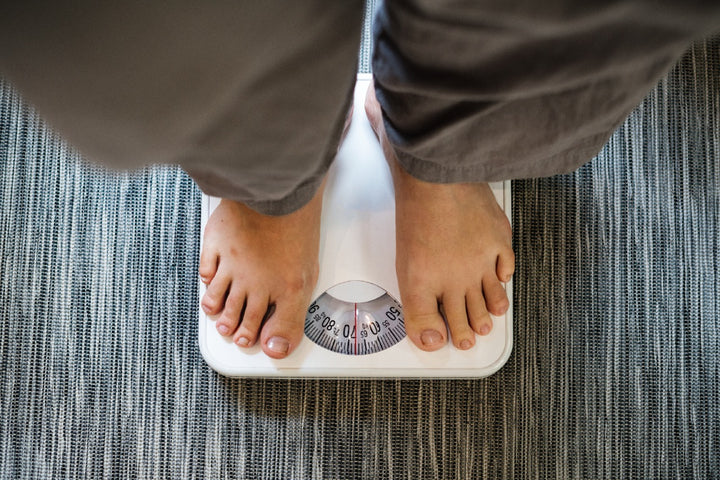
[(355, 328)]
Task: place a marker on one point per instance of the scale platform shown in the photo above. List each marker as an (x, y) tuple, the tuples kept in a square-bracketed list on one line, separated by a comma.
[(354, 326)]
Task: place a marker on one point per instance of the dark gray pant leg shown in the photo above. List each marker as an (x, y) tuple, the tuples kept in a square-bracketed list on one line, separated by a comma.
[(483, 90), (248, 96)]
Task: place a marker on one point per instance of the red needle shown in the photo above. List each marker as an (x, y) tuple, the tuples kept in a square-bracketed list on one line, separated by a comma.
[(356, 332)]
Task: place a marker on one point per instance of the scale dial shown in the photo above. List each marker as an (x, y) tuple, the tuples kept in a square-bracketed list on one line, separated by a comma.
[(355, 318)]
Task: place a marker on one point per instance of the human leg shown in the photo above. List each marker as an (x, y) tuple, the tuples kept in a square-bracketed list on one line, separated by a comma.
[(248, 97), (482, 91), (453, 251)]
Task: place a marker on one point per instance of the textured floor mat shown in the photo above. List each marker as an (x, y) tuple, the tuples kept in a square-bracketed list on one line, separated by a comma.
[(614, 372)]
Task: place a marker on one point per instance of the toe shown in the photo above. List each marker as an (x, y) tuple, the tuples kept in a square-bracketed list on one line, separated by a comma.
[(506, 265), (283, 330), (462, 335), (214, 299), (423, 323), (478, 316), (495, 296), (252, 318), (230, 318), (208, 264)]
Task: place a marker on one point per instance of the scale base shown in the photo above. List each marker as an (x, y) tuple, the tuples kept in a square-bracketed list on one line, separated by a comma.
[(360, 162)]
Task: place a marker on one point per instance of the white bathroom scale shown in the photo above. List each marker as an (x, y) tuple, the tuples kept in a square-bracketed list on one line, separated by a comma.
[(354, 326)]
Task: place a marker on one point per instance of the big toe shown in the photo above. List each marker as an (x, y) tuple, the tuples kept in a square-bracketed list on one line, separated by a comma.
[(283, 330), (424, 324)]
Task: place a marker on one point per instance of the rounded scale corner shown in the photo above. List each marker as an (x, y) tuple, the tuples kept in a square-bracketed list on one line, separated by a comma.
[(502, 359)]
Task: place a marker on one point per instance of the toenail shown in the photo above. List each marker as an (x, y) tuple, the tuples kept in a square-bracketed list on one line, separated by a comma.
[(242, 342), (465, 344), (278, 345), (485, 329), (431, 337), (224, 330), (204, 280), (206, 309)]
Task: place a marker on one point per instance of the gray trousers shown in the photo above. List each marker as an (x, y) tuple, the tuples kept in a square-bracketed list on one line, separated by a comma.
[(250, 97)]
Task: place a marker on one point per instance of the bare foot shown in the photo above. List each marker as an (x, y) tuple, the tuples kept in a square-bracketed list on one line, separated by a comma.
[(454, 248), (258, 266)]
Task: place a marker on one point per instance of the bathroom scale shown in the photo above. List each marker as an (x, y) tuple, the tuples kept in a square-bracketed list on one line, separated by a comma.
[(354, 326)]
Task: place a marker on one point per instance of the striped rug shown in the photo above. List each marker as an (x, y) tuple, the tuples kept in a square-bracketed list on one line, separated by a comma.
[(615, 370)]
